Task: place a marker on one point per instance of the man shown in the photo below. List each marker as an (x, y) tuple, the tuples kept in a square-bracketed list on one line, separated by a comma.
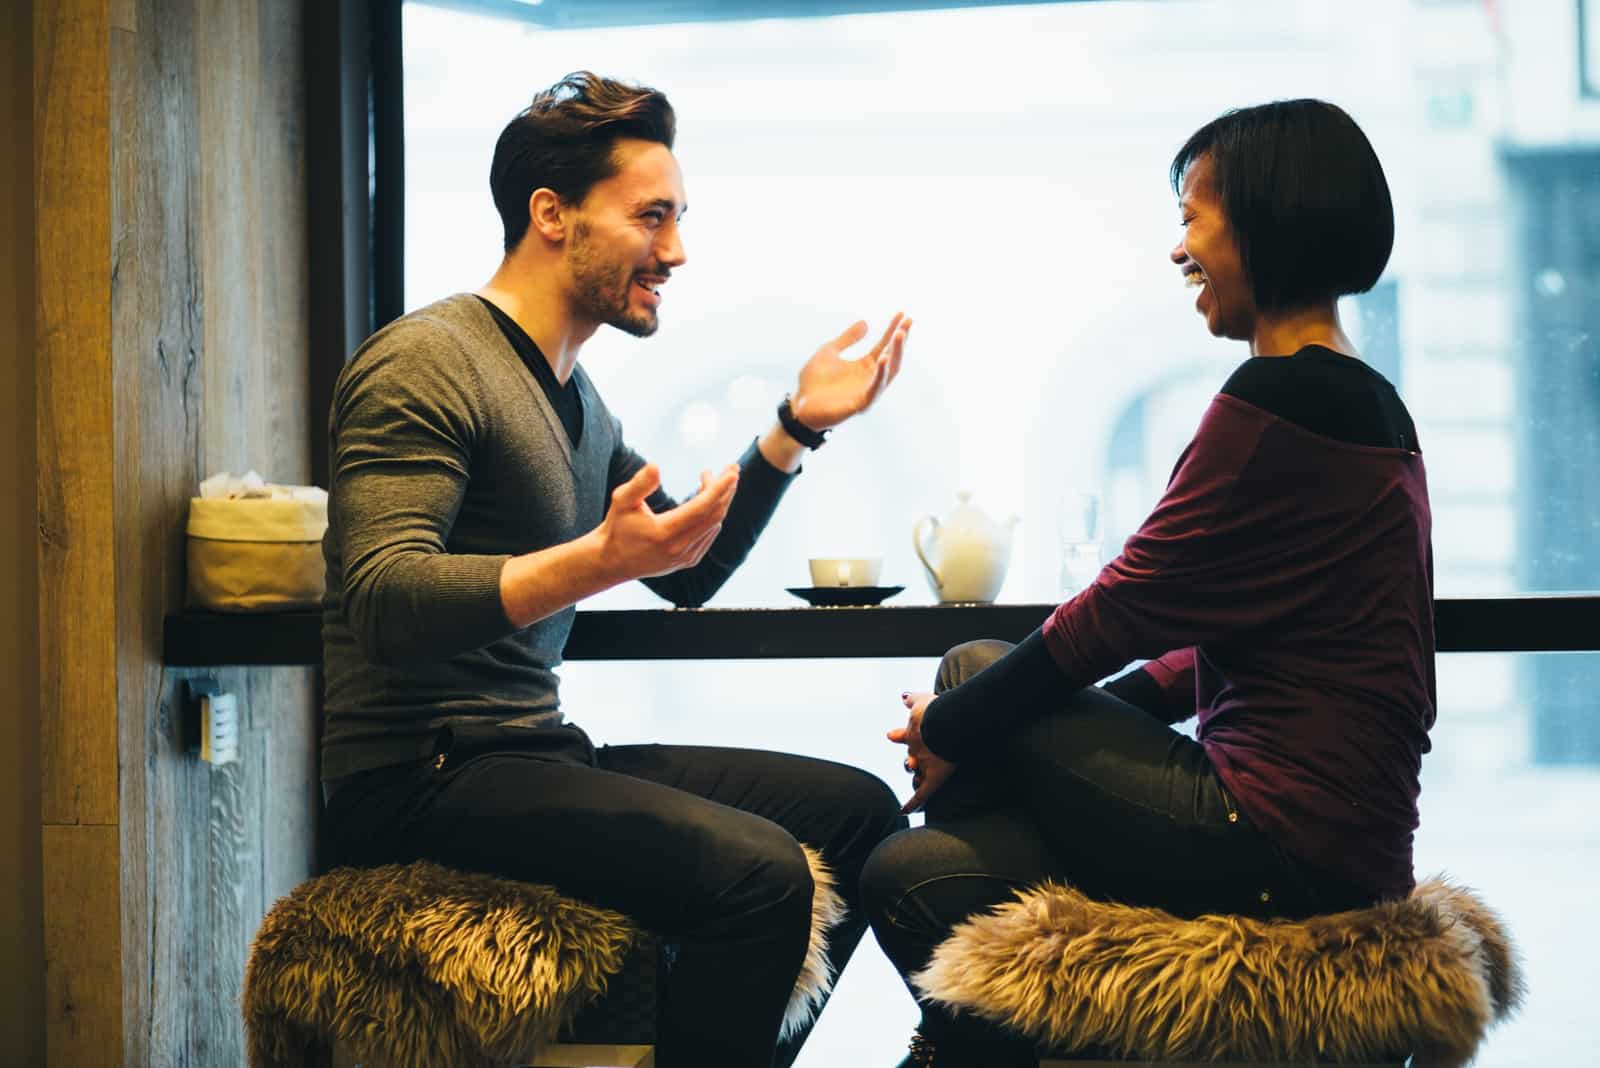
[(480, 489)]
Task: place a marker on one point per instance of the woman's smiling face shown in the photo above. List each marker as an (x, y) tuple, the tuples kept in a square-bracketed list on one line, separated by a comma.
[(1208, 255)]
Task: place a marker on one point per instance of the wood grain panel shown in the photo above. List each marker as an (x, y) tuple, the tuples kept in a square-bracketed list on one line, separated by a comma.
[(172, 325), (292, 427), (211, 324), (132, 194), (84, 1024), (158, 317), (77, 680), (292, 792), (290, 798), (232, 894), (172, 915), (230, 247)]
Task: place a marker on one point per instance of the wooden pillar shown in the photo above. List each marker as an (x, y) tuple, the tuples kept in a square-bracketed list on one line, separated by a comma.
[(77, 576)]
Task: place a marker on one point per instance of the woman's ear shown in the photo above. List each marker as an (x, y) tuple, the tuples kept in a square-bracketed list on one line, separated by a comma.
[(545, 216)]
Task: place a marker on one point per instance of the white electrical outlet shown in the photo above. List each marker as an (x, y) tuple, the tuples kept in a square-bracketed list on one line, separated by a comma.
[(219, 728)]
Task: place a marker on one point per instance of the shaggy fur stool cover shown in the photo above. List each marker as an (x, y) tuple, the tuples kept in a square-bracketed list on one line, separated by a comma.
[(415, 965), (1425, 976)]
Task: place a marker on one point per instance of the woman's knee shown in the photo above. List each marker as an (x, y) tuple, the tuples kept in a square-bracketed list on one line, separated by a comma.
[(901, 864), (886, 877), (956, 870), (919, 884), (966, 660)]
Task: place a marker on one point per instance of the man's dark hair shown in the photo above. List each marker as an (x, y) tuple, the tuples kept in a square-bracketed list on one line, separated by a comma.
[(1305, 195), (564, 140)]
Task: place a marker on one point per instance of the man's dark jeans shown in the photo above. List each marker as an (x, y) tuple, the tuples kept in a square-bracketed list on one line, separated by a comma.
[(1101, 795), (698, 844)]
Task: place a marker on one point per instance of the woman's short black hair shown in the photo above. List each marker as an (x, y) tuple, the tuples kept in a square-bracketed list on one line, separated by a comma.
[(563, 142), (1306, 198)]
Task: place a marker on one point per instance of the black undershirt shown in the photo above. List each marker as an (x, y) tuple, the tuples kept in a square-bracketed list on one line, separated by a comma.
[(563, 398)]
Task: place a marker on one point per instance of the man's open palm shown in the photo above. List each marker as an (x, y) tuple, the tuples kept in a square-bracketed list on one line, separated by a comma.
[(639, 543), (832, 388)]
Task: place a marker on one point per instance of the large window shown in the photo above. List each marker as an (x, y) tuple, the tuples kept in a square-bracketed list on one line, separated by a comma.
[(1000, 173)]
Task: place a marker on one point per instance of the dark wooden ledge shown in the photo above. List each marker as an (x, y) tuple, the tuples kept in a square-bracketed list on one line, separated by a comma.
[(1544, 623)]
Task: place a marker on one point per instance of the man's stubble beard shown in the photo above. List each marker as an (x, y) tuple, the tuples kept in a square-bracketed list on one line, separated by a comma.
[(602, 291)]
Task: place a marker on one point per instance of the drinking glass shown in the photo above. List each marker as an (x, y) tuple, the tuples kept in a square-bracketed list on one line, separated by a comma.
[(1078, 523)]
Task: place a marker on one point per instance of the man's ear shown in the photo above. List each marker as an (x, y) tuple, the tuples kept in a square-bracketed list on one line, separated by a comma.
[(546, 216)]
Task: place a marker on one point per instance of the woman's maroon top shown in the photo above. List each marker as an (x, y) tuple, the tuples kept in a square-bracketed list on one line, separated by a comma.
[(1287, 576)]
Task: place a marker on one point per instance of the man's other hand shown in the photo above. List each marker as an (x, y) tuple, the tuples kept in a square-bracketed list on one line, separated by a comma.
[(637, 543), (832, 389)]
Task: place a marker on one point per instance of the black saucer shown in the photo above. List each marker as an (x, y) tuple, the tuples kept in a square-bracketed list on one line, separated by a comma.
[(835, 596)]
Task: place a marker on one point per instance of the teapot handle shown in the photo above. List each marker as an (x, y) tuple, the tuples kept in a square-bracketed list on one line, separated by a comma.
[(916, 543)]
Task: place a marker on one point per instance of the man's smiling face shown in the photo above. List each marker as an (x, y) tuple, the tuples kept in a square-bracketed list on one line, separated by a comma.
[(624, 239)]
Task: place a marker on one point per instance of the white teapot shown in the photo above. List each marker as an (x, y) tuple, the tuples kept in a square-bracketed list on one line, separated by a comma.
[(969, 552)]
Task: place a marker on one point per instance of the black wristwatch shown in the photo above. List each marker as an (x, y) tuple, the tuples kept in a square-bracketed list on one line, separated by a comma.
[(811, 439)]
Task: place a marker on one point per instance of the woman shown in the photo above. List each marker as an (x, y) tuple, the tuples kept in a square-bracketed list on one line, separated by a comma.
[(1281, 590)]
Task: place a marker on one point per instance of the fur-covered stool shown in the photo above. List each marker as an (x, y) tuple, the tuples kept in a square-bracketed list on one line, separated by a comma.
[(1423, 977), (415, 964), (419, 966)]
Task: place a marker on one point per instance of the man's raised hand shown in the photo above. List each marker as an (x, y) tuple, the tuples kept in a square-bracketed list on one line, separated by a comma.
[(832, 389), (638, 543)]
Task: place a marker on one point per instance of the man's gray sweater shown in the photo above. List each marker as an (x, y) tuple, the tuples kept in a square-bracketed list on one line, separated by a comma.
[(448, 459)]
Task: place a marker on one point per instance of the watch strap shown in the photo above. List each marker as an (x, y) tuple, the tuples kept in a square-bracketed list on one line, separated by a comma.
[(811, 439)]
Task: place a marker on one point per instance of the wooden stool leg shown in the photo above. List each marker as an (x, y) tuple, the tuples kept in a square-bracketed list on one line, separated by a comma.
[(569, 1055)]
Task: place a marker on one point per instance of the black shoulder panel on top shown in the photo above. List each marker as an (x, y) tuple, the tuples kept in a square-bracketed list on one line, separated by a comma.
[(1329, 394)]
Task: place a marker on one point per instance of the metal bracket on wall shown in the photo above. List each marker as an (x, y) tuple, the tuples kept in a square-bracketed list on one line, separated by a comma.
[(211, 721)]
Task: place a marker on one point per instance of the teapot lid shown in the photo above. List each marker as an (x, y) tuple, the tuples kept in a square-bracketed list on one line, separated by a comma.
[(965, 513)]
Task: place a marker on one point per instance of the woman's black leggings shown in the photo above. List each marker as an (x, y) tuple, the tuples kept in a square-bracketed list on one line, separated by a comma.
[(1101, 795)]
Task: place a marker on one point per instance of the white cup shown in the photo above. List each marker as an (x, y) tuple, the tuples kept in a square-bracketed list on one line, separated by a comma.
[(845, 570)]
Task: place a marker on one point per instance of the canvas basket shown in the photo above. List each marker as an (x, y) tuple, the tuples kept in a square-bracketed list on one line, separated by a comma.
[(255, 554)]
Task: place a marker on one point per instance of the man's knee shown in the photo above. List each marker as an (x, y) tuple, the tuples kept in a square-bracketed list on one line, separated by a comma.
[(966, 660), (860, 804), (787, 873), (756, 889), (877, 805)]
